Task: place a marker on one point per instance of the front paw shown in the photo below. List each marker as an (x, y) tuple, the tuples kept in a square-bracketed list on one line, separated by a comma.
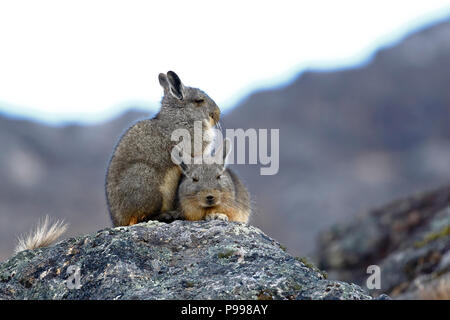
[(217, 216), (168, 216)]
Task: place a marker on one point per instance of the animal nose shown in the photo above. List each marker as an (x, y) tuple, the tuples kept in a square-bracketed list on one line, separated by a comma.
[(210, 199)]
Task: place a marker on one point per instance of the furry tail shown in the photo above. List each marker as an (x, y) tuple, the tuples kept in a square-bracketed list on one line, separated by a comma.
[(43, 235)]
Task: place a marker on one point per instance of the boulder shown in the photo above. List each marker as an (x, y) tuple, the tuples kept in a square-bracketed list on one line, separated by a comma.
[(180, 260)]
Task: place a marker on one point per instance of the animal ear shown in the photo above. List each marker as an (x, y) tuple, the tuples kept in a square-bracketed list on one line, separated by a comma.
[(178, 159), (163, 81), (183, 166), (176, 87), (226, 146)]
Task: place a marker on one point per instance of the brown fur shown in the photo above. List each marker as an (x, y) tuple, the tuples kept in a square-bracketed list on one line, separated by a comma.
[(141, 179), (228, 196), (132, 220), (168, 188), (194, 209)]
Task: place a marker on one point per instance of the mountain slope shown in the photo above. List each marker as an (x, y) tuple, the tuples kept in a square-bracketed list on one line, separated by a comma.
[(353, 139), (55, 171)]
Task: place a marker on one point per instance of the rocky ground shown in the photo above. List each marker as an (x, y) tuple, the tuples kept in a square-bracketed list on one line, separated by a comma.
[(409, 239), (181, 260)]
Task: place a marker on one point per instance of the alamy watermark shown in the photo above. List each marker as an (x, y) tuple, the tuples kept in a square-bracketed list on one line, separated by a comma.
[(239, 139), (374, 280), (74, 280)]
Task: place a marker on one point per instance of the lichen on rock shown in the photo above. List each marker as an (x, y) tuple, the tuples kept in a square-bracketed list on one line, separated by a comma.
[(181, 260)]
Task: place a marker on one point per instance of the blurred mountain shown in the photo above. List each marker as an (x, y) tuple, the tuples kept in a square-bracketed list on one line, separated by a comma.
[(352, 139), (55, 171), (349, 139)]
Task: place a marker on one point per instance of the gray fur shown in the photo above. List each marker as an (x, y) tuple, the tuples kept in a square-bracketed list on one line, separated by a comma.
[(230, 196), (141, 160)]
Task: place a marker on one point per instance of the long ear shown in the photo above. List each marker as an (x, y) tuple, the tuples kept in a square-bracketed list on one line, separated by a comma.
[(178, 160), (176, 87), (227, 150), (163, 82)]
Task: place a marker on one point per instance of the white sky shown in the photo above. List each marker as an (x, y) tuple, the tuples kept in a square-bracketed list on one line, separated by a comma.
[(88, 60)]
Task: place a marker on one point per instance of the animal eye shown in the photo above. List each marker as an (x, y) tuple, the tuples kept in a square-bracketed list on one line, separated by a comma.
[(199, 101), (195, 179), (219, 176)]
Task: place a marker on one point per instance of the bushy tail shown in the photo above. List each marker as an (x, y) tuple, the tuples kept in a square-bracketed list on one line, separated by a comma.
[(43, 235)]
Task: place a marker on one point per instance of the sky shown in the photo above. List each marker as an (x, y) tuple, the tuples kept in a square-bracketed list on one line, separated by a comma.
[(88, 61)]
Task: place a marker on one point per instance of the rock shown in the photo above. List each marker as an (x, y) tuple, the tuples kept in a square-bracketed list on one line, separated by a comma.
[(408, 239), (181, 260)]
